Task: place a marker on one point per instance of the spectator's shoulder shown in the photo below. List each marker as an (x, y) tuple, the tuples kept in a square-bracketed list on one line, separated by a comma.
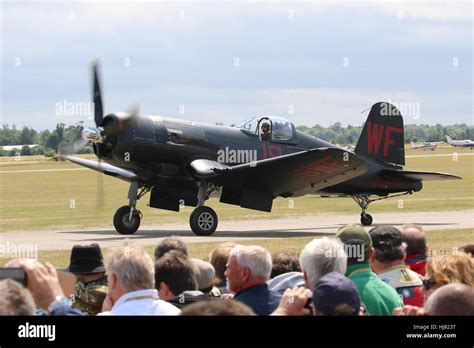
[(167, 308)]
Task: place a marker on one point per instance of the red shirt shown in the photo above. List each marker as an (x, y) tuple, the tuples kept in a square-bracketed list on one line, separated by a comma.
[(417, 263)]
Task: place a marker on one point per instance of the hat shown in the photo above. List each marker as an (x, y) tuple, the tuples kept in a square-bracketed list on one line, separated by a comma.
[(204, 272), (335, 289), (355, 235), (86, 259), (386, 237)]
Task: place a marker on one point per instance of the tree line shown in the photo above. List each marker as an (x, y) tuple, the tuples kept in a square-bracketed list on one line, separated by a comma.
[(349, 135), (63, 138)]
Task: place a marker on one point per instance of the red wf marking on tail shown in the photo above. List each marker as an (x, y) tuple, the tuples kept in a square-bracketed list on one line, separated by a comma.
[(324, 165), (375, 133)]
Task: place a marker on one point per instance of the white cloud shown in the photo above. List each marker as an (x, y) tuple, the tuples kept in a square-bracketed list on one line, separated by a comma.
[(427, 10), (311, 105), (72, 31)]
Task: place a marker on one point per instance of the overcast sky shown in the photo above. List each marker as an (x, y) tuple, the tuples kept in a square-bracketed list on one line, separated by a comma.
[(311, 62)]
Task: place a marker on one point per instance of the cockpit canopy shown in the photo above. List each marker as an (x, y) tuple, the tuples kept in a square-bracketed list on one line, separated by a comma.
[(280, 128)]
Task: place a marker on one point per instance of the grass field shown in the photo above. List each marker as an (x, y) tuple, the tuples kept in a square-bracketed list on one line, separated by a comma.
[(440, 242), (67, 199)]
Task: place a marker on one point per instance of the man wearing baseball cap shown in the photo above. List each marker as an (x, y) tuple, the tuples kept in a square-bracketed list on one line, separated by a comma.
[(388, 263), (335, 294), (378, 297)]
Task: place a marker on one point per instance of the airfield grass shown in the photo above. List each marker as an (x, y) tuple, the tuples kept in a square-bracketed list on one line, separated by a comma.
[(440, 242), (67, 199)]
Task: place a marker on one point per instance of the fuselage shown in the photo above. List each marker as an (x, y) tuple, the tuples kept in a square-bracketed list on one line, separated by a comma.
[(158, 146)]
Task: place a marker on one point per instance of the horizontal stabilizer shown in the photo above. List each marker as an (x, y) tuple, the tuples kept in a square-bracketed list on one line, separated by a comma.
[(416, 175)]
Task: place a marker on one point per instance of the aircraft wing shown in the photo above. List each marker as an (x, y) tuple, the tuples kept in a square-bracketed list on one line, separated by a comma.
[(309, 170), (105, 168), (417, 175)]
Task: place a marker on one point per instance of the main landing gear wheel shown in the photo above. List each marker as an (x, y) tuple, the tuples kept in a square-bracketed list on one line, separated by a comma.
[(203, 221), (122, 222), (366, 219)]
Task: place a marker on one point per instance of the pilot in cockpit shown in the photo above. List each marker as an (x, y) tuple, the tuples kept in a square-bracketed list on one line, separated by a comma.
[(265, 132)]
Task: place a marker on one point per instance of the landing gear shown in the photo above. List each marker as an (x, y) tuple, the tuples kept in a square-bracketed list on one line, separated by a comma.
[(363, 202), (124, 223), (127, 218), (366, 219), (203, 220)]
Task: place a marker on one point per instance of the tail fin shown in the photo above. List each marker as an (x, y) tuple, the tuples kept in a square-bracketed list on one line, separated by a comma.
[(383, 137), (448, 138)]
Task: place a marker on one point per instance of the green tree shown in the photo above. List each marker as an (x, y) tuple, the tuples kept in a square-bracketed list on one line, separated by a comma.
[(25, 151), (28, 136)]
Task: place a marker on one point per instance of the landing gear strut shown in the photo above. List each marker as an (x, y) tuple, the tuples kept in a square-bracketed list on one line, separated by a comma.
[(203, 220), (127, 218), (363, 202)]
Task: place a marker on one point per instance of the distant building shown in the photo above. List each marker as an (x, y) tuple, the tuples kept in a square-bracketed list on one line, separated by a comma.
[(17, 147)]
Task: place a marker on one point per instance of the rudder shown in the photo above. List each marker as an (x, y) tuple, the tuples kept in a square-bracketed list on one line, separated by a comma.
[(383, 135)]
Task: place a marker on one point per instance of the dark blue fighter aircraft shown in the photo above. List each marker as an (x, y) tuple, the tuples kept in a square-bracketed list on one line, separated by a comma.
[(183, 163)]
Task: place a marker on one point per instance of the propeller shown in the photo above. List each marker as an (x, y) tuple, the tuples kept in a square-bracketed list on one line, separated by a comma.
[(97, 94), (135, 115), (91, 134), (98, 118)]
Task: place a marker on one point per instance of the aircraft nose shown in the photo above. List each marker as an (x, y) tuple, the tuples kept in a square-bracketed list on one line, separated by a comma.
[(93, 134)]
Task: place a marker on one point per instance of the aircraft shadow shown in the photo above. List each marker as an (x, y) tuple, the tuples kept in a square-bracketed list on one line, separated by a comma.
[(110, 235), (151, 234)]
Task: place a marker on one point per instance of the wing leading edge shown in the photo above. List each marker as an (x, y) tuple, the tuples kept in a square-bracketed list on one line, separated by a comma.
[(105, 168)]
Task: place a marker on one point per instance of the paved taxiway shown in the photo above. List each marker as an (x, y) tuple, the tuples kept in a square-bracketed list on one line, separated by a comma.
[(317, 226)]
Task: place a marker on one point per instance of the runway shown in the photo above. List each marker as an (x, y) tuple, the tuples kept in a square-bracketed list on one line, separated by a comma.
[(305, 226)]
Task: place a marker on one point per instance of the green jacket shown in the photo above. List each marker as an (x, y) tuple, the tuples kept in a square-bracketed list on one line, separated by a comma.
[(378, 297)]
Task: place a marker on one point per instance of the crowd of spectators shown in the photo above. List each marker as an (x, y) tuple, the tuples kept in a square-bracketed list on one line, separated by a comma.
[(383, 271)]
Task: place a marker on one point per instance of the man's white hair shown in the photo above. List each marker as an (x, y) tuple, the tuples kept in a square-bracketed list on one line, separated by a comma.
[(322, 256), (254, 257), (133, 267)]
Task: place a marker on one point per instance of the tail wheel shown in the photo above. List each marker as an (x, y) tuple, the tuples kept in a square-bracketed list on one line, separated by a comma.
[(366, 219), (203, 221), (122, 222)]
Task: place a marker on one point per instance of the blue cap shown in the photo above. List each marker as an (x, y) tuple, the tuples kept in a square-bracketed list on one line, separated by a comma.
[(335, 289)]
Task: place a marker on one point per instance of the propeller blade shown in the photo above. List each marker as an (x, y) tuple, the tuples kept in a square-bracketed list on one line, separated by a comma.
[(97, 95), (100, 193), (135, 115)]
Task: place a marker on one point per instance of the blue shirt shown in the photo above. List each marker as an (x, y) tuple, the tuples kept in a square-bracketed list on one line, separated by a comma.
[(258, 297)]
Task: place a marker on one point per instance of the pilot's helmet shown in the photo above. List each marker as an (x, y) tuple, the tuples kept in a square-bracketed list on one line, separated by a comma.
[(265, 126)]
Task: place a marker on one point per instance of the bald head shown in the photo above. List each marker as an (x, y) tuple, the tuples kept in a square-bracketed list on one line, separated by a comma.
[(415, 239), (451, 299)]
